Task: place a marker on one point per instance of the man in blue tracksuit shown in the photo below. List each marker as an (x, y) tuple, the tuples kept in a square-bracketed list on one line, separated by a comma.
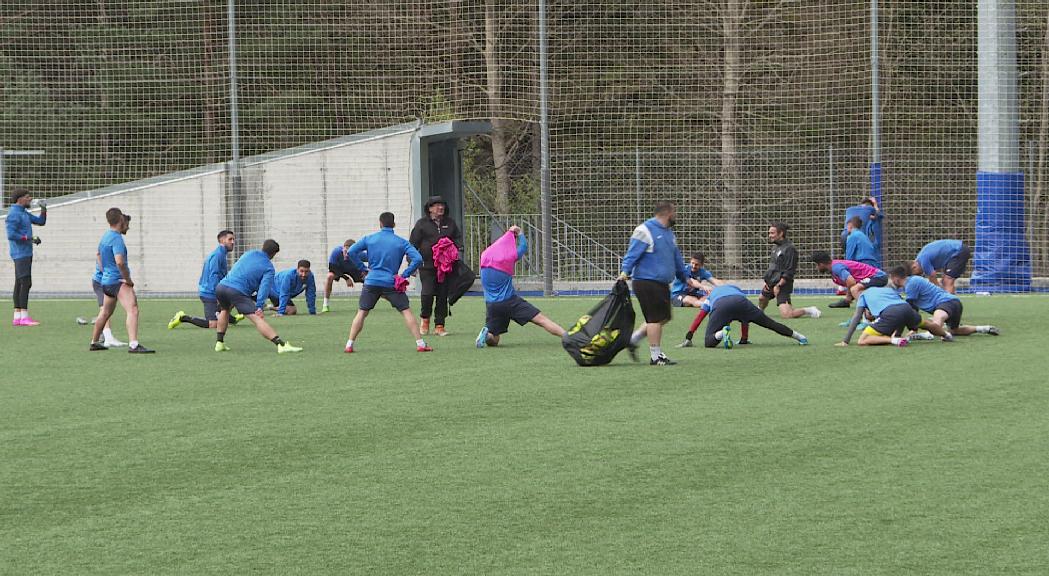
[(653, 260), (858, 247), (21, 240), (288, 284), (252, 274), (386, 252), (216, 266)]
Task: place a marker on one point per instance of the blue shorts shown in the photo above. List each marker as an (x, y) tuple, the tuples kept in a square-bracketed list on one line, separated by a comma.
[(231, 298), (211, 308)]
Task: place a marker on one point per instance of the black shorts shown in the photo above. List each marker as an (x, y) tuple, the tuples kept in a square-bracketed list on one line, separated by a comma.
[(211, 308), (23, 267), (112, 290), (731, 309), (346, 270), (879, 281), (956, 265), (276, 302), (370, 297), (896, 318), (784, 292), (953, 308), (230, 299), (499, 314), (654, 298), (96, 287)]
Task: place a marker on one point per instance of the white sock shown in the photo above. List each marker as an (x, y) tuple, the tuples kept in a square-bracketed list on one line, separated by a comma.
[(720, 335), (797, 336), (349, 343), (813, 312), (638, 335), (24, 314), (655, 352), (108, 334), (17, 316), (420, 343), (983, 329), (325, 301), (133, 344), (895, 341)]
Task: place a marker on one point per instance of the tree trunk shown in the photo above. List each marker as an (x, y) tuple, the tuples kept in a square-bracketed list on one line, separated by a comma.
[(499, 137), (731, 23)]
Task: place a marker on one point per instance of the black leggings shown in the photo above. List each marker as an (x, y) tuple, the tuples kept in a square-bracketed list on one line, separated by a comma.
[(739, 309), (21, 292)]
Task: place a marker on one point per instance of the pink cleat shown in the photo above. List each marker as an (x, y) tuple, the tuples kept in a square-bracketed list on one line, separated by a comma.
[(348, 350), (903, 343)]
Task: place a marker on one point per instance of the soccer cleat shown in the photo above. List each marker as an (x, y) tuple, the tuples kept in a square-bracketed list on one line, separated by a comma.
[(83, 321), (948, 337), (726, 338), (97, 347), (482, 338), (140, 349), (176, 320), (902, 343), (348, 350), (238, 317), (440, 331), (993, 331), (27, 321), (803, 341), (814, 312), (325, 310), (114, 343), (921, 336), (16, 322), (221, 347), (743, 342), (686, 343), (843, 303), (662, 360), (424, 326), (632, 350), (423, 349), (287, 348)]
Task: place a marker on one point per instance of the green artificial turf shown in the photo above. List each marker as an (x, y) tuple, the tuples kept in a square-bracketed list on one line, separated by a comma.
[(769, 459)]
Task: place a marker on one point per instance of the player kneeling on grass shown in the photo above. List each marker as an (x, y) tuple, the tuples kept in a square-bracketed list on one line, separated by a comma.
[(501, 300), (890, 315), (946, 308), (779, 279), (288, 284), (252, 274), (386, 251), (726, 304), (215, 269), (700, 283), (854, 276), (116, 283)]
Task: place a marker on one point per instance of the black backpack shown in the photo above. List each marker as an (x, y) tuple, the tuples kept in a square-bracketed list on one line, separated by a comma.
[(603, 332)]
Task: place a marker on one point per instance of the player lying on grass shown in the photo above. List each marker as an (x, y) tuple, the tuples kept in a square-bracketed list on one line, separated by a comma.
[(890, 315), (117, 285), (502, 303), (252, 274), (288, 284), (949, 258), (855, 277), (945, 308), (386, 252), (700, 283), (726, 304), (340, 267), (216, 266)]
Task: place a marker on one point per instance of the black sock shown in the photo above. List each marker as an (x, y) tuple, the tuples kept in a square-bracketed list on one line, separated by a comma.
[(195, 321), (220, 336), (689, 335), (233, 320), (276, 340)]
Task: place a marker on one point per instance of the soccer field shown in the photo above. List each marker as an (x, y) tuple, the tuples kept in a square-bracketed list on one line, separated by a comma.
[(768, 459)]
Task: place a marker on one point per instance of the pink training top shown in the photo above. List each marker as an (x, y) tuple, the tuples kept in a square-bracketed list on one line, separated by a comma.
[(858, 270), (502, 254)]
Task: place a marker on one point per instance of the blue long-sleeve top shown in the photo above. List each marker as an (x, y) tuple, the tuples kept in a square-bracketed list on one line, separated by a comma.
[(859, 248), (20, 230), (287, 284), (653, 254), (215, 269), (386, 251), (252, 274), (498, 285)]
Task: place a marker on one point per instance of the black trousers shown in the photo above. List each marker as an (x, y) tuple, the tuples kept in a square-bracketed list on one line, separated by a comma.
[(739, 309), (23, 282), (441, 299)]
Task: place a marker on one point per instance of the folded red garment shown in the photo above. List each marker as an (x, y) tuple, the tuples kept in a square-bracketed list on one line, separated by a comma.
[(400, 284)]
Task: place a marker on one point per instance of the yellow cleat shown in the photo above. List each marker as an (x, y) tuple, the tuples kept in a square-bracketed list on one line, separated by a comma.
[(176, 320), (287, 348), (221, 347)]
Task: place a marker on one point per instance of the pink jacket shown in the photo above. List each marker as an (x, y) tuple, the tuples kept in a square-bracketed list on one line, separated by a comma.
[(502, 254), (445, 255)]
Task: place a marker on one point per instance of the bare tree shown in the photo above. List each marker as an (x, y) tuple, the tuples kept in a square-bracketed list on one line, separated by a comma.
[(494, 81), (732, 13)]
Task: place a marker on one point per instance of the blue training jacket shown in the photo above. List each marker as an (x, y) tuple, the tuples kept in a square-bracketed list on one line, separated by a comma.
[(20, 231), (287, 285), (252, 274), (215, 269), (386, 251), (859, 248), (653, 254)]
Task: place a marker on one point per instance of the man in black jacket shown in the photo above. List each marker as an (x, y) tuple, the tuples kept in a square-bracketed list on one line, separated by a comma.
[(779, 280), (427, 232)]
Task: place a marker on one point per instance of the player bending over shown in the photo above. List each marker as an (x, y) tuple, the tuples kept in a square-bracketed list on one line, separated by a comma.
[(501, 300), (947, 257), (855, 277), (288, 284), (726, 304), (340, 267), (945, 308)]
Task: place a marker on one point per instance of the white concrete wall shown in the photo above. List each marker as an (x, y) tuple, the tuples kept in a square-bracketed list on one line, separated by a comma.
[(308, 202)]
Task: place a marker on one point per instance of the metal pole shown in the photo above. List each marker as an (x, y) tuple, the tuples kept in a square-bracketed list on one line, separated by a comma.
[(834, 235), (875, 151), (637, 172), (544, 180), (235, 199)]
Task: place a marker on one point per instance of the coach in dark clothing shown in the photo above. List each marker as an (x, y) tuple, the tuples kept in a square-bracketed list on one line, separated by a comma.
[(427, 232), (779, 279)]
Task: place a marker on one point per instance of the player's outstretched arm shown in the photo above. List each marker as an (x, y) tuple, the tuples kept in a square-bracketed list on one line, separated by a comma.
[(852, 326)]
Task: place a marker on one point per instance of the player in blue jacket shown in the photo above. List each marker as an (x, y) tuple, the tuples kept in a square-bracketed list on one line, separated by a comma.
[(216, 266), (252, 274), (386, 252), (21, 241), (858, 247), (288, 284), (701, 282)]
